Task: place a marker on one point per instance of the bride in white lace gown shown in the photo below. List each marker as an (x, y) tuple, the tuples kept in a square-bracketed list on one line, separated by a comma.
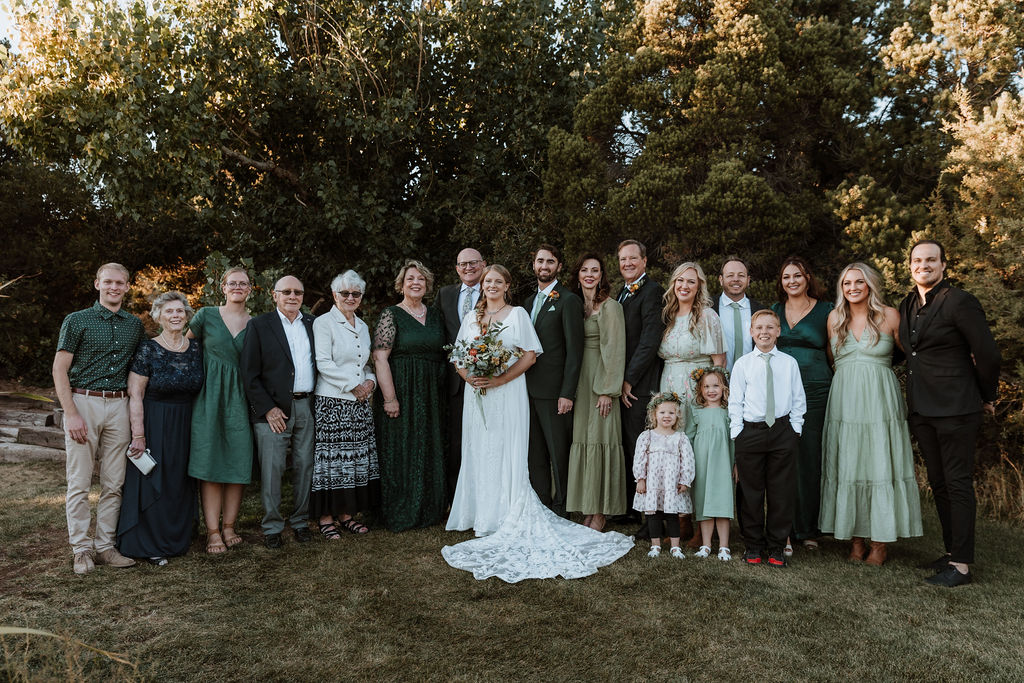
[(519, 538)]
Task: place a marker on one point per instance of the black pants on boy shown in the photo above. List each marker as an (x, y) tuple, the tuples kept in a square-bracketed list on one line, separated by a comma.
[(766, 464)]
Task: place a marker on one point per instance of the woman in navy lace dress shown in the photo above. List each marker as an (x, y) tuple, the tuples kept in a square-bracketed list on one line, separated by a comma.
[(158, 509)]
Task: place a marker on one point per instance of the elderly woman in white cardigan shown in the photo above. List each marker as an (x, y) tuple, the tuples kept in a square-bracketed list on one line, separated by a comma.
[(346, 476)]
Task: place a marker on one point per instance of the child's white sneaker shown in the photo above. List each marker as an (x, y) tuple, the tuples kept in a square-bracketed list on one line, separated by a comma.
[(705, 551), (677, 553), (654, 551), (724, 554)]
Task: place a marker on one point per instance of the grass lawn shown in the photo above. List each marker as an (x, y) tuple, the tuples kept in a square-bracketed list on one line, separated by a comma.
[(386, 606)]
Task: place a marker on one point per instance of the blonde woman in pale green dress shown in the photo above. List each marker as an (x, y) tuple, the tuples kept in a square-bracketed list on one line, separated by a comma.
[(597, 465), (868, 487)]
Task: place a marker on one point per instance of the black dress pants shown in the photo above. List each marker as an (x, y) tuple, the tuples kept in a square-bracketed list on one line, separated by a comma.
[(947, 446), (766, 464), (634, 422), (454, 459)]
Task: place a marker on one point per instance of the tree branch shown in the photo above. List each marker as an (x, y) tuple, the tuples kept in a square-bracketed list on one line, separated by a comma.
[(268, 166)]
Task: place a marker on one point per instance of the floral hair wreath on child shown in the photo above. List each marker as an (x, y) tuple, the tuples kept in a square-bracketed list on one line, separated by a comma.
[(698, 374), (664, 397)]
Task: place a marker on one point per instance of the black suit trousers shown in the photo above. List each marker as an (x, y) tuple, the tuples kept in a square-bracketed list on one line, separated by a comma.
[(550, 439), (634, 422), (947, 445), (766, 464), (454, 440)]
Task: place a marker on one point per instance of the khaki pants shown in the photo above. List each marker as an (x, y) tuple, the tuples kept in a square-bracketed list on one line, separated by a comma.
[(107, 441)]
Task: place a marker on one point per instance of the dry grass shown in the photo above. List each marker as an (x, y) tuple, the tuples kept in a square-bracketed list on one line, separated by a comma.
[(386, 606)]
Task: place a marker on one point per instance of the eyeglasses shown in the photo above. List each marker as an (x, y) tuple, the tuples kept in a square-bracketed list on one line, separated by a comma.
[(237, 285), (350, 295), (290, 292), (468, 264)]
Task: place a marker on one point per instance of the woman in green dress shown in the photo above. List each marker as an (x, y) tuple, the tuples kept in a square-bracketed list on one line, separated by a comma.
[(597, 465), (868, 487), (803, 314), (222, 447), (410, 365)]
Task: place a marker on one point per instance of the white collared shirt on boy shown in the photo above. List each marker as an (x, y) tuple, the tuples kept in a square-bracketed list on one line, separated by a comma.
[(748, 395), (726, 316)]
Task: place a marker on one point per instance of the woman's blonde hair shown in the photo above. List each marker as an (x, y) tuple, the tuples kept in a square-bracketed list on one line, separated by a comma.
[(657, 400), (702, 374), (701, 301), (876, 306), (424, 271), (481, 304)]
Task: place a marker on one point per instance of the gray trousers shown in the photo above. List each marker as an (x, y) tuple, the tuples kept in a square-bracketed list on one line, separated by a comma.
[(272, 450)]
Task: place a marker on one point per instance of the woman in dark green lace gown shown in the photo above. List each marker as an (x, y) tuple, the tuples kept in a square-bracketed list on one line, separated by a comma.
[(410, 365), (803, 313)]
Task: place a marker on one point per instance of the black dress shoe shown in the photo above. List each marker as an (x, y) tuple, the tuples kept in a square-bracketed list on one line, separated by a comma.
[(272, 541), (949, 578), (936, 565), (302, 534)]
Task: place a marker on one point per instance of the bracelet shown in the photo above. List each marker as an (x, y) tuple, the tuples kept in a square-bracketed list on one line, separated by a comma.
[(138, 436), (391, 400)]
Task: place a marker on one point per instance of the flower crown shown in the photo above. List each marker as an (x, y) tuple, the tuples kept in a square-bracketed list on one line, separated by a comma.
[(664, 397), (698, 374)]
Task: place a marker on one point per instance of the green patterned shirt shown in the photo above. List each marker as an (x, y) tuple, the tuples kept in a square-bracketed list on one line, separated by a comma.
[(102, 343)]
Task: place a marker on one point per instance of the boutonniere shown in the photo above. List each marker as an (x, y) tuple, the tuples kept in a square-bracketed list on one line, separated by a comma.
[(553, 296), (633, 287)]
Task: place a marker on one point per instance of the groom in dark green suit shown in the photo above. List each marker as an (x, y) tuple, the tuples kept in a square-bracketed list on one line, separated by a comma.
[(557, 315)]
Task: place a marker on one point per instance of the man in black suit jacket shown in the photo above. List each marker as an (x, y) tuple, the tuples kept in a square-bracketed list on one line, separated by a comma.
[(454, 302), (557, 316), (952, 377), (278, 365), (641, 299), (734, 278)]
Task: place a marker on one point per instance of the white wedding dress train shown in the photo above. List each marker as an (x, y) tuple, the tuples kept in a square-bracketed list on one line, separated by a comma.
[(518, 537)]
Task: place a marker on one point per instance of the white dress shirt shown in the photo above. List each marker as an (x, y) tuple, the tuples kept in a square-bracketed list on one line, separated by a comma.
[(472, 292), (302, 355), (342, 354), (550, 288), (748, 395), (725, 314)]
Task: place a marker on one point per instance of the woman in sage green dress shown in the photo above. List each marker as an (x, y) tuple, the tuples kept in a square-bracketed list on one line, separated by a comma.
[(410, 366), (222, 446), (868, 487), (597, 465), (803, 314)]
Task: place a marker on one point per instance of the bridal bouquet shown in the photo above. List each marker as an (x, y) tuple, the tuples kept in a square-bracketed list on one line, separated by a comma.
[(483, 356)]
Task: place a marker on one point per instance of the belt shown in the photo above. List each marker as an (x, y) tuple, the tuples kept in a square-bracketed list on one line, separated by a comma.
[(103, 394), (764, 425), (301, 394)]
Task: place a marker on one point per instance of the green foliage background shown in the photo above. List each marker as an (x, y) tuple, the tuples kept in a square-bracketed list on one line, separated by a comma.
[(311, 137)]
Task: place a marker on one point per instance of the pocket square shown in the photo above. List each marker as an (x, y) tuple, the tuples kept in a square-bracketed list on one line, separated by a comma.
[(551, 309)]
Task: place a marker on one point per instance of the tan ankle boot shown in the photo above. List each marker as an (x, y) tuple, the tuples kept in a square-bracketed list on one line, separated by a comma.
[(877, 555), (858, 550)]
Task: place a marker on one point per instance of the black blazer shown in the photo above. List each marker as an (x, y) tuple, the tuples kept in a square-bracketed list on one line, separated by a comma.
[(447, 303), (560, 330), (952, 357), (266, 364), (644, 329)]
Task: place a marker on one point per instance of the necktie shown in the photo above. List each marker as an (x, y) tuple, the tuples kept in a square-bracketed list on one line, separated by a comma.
[(769, 410), (538, 303), (467, 302), (737, 332)]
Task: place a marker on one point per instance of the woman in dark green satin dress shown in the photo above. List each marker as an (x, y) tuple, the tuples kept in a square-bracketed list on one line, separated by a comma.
[(410, 365), (803, 313)]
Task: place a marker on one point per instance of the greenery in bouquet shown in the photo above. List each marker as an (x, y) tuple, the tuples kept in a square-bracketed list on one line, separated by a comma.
[(484, 355)]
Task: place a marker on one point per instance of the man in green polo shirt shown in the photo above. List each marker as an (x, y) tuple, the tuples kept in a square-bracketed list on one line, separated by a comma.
[(90, 375)]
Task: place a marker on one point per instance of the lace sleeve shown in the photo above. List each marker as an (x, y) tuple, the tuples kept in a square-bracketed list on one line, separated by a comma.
[(384, 335), (142, 363), (712, 341)]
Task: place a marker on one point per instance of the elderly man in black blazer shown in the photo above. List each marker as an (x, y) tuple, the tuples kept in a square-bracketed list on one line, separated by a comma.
[(952, 377), (641, 307), (278, 366), (454, 302), (734, 309)]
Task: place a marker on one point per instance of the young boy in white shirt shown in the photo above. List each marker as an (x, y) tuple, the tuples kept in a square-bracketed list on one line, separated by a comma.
[(766, 414)]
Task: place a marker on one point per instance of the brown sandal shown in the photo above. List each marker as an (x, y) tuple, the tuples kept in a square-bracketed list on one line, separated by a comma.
[(215, 544), (231, 539)]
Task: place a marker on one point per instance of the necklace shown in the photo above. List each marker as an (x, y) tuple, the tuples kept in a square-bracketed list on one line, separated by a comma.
[(167, 344), (418, 316), (504, 306)]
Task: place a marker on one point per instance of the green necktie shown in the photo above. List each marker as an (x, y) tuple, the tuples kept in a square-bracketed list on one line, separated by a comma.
[(538, 303), (769, 411), (737, 332)]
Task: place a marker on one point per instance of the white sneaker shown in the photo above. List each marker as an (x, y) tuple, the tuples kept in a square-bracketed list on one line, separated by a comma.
[(677, 553), (654, 551), (705, 551), (724, 554)]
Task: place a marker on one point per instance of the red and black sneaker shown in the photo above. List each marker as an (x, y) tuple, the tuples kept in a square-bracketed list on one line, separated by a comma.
[(752, 557), (777, 560)]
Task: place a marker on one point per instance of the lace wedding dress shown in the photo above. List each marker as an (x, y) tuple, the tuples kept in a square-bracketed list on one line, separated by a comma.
[(518, 537)]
